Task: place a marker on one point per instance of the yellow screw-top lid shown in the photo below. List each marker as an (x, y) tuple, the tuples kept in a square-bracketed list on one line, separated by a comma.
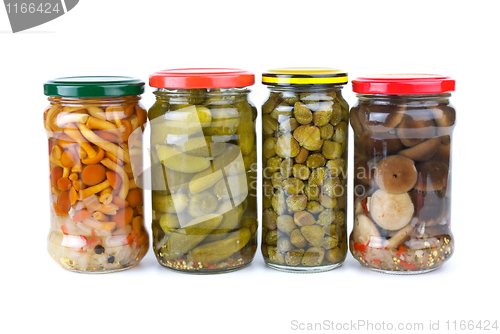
[(288, 76)]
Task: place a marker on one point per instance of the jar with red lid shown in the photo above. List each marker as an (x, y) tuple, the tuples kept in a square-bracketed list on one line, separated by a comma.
[(403, 125), (204, 169)]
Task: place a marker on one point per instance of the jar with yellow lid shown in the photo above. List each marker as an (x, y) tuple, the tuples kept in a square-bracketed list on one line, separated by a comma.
[(304, 160)]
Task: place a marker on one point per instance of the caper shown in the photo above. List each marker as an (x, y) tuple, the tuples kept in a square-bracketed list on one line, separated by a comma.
[(331, 149), (313, 234), (294, 257), (277, 180), (293, 185), (269, 217), (284, 245), (296, 203), (336, 167), (278, 202), (275, 256), (286, 168), (287, 146), (313, 257), (326, 131), (314, 207), (315, 160), (311, 191), (272, 238), (297, 239), (269, 147), (302, 114), (286, 224), (301, 171)]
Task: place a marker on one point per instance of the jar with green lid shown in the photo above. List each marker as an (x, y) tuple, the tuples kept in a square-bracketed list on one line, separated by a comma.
[(403, 125), (204, 175), (94, 127), (304, 160)]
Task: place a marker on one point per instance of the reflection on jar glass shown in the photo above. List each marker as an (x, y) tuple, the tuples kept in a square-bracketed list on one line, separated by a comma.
[(94, 126), (204, 172), (403, 127), (304, 128)]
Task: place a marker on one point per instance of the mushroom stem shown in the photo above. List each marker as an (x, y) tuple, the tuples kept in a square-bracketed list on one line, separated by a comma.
[(99, 124), (77, 136), (106, 146), (94, 189), (132, 184), (97, 113), (65, 119), (65, 172), (121, 172)]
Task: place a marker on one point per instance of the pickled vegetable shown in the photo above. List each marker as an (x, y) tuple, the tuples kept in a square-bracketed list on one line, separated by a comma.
[(97, 211), (402, 207), (306, 166), (211, 182)]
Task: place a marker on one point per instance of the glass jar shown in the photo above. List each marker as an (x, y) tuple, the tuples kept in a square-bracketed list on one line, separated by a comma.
[(403, 127), (304, 137), (94, 127), (203, 158)]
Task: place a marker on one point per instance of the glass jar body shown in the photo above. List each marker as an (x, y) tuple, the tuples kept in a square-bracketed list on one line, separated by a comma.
[(204, 177), (305, 140), (402, 182), (95, 154)]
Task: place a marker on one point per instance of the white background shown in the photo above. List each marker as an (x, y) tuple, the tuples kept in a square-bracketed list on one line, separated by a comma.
[(136, 38)]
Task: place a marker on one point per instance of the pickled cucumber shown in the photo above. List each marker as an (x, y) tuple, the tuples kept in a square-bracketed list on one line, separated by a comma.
[(184, 239), (217, 251), (180, 162), (202, 204), (175, 203)]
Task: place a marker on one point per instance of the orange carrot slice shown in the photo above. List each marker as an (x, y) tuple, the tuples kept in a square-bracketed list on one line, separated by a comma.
[(129, 110), (142, 115), (81, 215)]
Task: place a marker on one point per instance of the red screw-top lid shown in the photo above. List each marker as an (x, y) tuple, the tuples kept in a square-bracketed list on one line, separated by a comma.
[(192, 78), (403, 84)]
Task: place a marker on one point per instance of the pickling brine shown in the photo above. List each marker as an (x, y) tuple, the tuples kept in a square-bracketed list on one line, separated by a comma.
[(94, 127)]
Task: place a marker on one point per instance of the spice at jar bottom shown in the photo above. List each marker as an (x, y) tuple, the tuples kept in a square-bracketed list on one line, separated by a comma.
[(305, 130)]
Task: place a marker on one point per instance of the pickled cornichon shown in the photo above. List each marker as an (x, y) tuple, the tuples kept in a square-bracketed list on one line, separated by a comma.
[(204, 175), (304, 127)]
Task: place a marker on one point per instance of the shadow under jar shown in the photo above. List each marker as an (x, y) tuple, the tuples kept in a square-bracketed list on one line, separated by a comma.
[(403, 128), (304, 160), (204, 158), (94, 127)]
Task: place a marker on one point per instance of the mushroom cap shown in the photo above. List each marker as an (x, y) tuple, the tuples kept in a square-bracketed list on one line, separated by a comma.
[(396, 174), (416, 128), (364, 229), (432, 175), (391, 211), (380, 117), (423, 151), (373, 144), (364, 169), (356, 125), (444, 116), (443, 153), (429, 206)]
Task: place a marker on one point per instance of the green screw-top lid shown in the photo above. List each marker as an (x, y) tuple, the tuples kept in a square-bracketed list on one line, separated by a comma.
[(93, 86)]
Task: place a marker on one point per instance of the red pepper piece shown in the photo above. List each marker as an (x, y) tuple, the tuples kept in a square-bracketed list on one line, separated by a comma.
[(64, 229), (376, 261), (409, 266), (401, 251), (359, 247)]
